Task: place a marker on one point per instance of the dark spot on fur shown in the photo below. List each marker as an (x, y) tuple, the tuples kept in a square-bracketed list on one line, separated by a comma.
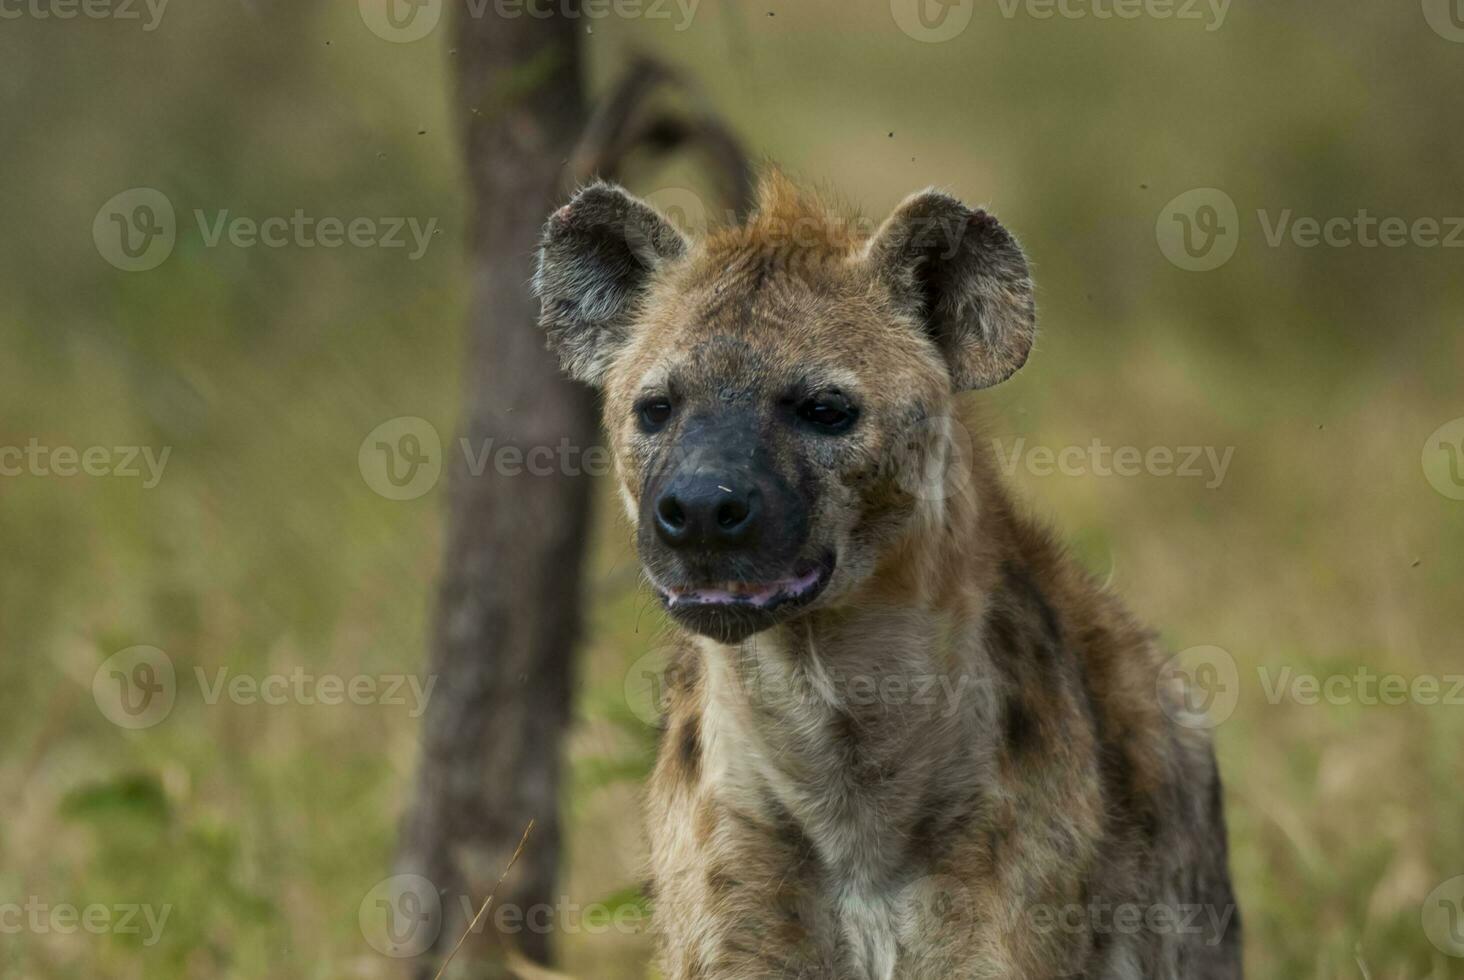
[(1003, 627), (942, 819), (766, 266), (1021, 727), (1019, 580), (1129, 809), (690, 745)]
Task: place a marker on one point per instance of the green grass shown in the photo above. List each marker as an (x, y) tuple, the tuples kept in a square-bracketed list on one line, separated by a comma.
[(262, 550)]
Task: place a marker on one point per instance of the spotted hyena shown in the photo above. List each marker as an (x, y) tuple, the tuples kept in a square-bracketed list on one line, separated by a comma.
[(907, 736)]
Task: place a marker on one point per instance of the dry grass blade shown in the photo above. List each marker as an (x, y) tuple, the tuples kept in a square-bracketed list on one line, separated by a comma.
[(486, 902)]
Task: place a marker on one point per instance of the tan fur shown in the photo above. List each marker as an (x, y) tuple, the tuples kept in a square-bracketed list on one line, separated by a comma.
[(799, 827)]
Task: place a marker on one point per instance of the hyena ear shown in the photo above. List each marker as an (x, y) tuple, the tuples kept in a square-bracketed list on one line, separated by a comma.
[(964, 278), (596, 259)]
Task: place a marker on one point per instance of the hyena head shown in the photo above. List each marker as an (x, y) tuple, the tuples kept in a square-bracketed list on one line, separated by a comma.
[(777, 393)]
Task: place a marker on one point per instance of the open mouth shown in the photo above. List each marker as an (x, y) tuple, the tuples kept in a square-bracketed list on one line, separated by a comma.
[(803, 586)]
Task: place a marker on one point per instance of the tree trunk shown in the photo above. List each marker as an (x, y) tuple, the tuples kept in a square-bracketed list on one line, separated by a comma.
[(508, 604)]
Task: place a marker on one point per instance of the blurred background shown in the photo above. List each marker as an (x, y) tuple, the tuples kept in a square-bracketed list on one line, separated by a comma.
[(1160, 169)]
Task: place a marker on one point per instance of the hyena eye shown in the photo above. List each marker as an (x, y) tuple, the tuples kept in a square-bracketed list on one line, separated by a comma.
[(830, 412), (654, 413)]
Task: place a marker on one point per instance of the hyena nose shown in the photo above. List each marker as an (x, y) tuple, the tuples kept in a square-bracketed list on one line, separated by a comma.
[(709, 512)]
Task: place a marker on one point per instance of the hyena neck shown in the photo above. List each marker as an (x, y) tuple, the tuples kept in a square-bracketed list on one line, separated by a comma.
[(852, 721)]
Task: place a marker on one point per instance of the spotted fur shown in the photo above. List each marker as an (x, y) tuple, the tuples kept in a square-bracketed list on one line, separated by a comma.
[(955, 763)]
